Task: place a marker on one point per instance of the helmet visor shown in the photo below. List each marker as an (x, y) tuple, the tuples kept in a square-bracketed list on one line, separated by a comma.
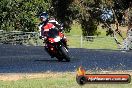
[(43, 18)]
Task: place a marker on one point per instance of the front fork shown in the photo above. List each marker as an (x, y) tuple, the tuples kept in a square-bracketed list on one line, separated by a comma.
[(64, 41), (48, 51)]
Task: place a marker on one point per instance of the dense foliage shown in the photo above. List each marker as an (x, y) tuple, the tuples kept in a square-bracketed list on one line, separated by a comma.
[(22, 14)]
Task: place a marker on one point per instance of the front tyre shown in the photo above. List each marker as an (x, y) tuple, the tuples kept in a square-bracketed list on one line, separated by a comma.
[(65, 53)]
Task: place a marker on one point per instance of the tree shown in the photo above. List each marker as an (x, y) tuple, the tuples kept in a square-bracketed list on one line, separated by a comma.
[(62, 11), (130, 17), (88, 17), (20, 14)]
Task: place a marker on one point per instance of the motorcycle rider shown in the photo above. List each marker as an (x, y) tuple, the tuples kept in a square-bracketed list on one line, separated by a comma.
[(45, 25)]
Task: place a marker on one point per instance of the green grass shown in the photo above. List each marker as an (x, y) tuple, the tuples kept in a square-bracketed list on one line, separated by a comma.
[(63, 81), (75, 30), (107, 42), (100, 43)]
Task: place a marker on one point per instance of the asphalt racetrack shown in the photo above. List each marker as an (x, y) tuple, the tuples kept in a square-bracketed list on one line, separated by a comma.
[(31, 59)]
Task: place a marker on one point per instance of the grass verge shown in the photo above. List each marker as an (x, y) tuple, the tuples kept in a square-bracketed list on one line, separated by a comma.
[(53, 80)]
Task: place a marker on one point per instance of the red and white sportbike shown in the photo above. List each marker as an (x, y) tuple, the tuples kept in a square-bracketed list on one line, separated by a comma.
[(55, 45)]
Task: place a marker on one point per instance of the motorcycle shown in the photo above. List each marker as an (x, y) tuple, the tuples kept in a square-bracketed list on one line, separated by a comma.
[(56, 46)]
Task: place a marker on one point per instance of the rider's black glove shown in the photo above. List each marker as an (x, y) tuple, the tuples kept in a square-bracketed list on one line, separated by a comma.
[(40, 37)]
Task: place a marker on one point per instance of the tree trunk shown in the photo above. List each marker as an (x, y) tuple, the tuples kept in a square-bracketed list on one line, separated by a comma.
[(127, 43), (130, 17)]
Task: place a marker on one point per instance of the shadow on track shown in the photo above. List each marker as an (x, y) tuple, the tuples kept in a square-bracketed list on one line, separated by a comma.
[(50, 61), (45, 60)]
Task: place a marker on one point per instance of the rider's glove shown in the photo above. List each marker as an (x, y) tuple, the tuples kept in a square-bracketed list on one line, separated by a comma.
[(40, 37), (61, 29), (45, 39)]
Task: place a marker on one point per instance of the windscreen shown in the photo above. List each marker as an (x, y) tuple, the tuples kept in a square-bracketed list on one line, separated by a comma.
[(52, 33)]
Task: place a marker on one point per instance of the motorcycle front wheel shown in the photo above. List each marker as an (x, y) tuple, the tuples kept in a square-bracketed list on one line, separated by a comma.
[(65, 53)]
